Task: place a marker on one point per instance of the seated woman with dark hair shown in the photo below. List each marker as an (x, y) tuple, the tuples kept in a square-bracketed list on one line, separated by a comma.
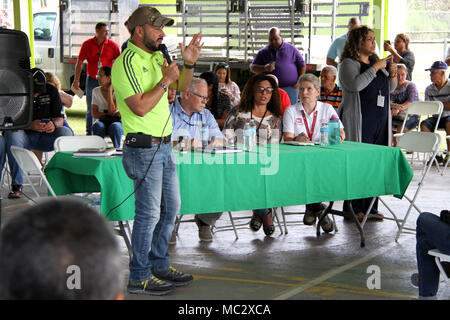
[(104, 109), (401, 97), (226, 85), (260, 101), (218, 103)]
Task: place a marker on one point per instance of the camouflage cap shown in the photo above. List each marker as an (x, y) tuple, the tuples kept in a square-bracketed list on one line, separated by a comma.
[(147, 15)]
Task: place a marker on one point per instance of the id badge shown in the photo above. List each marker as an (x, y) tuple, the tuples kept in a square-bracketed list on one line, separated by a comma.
[(380, 100), (99, 64)]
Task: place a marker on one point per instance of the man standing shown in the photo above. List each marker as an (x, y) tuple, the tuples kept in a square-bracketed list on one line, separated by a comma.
[(141, 77), (98, 51), (329, 91), (337, 46), (46, 127), (188, 114), (438, 90), (283, 60)]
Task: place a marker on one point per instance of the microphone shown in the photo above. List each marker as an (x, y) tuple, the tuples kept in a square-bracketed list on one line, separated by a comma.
[(162, 47), (386, 73)]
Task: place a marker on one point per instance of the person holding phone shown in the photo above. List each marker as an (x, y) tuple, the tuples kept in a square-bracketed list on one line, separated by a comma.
[(46, 127), (366, 83), (401, 54)]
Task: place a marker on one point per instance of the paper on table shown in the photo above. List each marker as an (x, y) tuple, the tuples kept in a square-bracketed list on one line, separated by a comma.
[(78, 91)]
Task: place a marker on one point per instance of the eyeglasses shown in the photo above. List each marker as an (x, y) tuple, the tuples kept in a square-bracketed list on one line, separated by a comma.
[(262, 89), (223, 65), (200, 96)]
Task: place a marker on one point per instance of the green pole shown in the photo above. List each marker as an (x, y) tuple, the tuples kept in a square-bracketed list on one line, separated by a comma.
[(380, 20), (31, 32), (16, 6)]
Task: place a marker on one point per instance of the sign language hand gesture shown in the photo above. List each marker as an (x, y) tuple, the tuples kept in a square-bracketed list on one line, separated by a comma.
[(191, 53)]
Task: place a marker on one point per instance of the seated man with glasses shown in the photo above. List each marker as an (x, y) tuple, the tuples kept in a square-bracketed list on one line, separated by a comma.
[(188, 114)]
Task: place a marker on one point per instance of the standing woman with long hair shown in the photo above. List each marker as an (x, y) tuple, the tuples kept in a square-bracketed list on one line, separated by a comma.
[(366, 85)]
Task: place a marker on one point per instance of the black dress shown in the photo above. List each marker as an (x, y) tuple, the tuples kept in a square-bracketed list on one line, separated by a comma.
[(374, 127)]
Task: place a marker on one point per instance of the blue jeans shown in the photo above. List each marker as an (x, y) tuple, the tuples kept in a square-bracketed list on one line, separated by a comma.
[(30, 140), (431, 233), (157, 202), (292, 93), (91, 83), (114, 130)]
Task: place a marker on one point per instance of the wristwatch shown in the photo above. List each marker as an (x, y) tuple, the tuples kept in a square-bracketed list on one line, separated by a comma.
[(162, 85), (189, 66)]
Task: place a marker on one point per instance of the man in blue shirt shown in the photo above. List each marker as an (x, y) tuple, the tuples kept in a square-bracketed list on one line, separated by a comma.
[(338, 44), (188, 114)]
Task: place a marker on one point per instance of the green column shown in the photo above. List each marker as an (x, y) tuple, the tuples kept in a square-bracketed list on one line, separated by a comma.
[(380, 22), (25, 6)]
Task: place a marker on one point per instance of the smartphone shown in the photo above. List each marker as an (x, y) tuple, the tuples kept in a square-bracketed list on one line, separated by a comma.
[(387, 41), (45, 120)]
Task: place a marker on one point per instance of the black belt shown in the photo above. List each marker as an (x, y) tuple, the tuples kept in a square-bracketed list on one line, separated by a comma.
[(140, 140)]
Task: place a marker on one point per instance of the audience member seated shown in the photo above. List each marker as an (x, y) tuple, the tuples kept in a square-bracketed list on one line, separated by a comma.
[(401, 97), (46, 127), (401, 53), (330, 92), (438, 90), (187, 115), (66, 99), (104, 109), (226, 85), (284, 97), (59, 250), (301, 122), (219, 103), (431, 233), (260, 101)]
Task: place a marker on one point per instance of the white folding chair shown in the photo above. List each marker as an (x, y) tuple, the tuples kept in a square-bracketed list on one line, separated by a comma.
[(30, 165), (74, 143), (438, 258), (448, 160), (422, 142), (423, 108)]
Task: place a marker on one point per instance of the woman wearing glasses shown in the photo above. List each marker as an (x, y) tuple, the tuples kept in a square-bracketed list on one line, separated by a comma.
[(226, 85), (260, 101), (218, 103), (301, 122)]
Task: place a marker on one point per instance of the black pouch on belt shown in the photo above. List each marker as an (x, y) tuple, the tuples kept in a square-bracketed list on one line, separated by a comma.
[(138, 140)]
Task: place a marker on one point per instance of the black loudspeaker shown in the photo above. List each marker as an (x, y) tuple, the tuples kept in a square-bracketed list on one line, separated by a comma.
[(16, 80)]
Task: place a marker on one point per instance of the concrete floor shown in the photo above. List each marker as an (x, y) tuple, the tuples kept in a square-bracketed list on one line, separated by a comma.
[(297, 265)]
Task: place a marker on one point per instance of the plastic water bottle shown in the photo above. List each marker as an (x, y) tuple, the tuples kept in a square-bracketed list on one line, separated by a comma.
[(205, 135), (324, 133), (247, 136), (333, 131), (253, 127)]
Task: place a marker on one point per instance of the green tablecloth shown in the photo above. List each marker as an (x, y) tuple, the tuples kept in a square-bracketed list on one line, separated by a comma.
[(271, 176)]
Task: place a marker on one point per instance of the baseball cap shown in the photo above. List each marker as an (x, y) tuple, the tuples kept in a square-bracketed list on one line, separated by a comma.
[(437, 65), (38, 80), (148, 15)]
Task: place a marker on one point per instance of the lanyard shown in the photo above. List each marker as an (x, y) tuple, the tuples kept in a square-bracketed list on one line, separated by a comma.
[(310, 133), (262, 119)]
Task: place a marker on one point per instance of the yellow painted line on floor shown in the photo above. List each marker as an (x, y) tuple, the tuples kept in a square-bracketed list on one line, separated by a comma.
[(272, 283), (325, 289), (333, 273)]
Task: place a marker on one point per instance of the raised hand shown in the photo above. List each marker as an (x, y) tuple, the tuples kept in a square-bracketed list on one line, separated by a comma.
[(191, 53)]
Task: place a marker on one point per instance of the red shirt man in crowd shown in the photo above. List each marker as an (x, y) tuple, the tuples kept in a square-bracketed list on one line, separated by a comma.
[(98, 51)]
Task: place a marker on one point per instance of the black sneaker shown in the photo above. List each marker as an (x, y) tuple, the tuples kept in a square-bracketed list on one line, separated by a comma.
[(177, 278), (153, 286), (16, 192)]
